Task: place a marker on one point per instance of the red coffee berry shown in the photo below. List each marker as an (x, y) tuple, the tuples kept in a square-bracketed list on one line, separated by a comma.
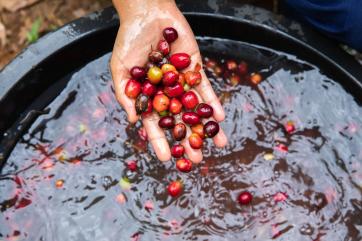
[(193, 78), (289, 127), (132, 165), (175, 106), (177, 151), (170, 34), (234, 79), (160, 102), (210, 64), (190, 118), (148, 89), (175, 188), (179, 131), (195, 141), (211, 128), (180, 60), (231, 65), (204, 110), (198, 129), (138, 72), (170, 78), (167, 122), (245, 198), (243, 68), (184, 165), (189, 100), (174, 91), (133, 88), (255, 78), (163, 47)]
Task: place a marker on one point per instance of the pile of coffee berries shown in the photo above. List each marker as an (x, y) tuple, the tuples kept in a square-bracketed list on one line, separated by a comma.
[(161, 86)]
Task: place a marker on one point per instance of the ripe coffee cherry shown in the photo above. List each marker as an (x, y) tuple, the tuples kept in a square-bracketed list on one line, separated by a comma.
[(167, 122), (160, 102), (170, 78), (138, 72), (210, 64), (177, 151), (255, 78), (190, 118), (170, 34), (174, 91), (289, 127), (198, 129), (218, 70), (180, 60), (211, 128), (243, 68), (155, 56), (184, 165), (231, 65), (195, 141), (132, 165), (193, 78), (175, 188), (141, 104), (175, 106), (234, 79), (167, 67), (189, 100), (163, 47), (204, 110), (179, 131), (133, 88), (148, 89), (154, 75), (245, 198)]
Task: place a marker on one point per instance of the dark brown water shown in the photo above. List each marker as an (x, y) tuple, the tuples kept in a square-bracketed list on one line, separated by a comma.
[(311, 192)]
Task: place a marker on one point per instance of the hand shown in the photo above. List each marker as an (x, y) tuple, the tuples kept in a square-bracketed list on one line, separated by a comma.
[(142, 23)]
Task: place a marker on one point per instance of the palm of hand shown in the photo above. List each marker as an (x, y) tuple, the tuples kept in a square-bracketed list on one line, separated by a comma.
[(132, 46)]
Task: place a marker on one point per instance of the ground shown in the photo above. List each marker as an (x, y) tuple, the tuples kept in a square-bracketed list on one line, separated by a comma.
[(24, 21)]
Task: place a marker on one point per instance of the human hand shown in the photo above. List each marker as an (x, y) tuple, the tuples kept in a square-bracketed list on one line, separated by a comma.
[(142, 23)]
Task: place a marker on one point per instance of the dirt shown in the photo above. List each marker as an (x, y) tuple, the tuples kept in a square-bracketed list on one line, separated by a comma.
[(17, 17)]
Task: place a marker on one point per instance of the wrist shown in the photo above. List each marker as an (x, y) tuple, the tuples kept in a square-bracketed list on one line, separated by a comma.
[(131, 8)]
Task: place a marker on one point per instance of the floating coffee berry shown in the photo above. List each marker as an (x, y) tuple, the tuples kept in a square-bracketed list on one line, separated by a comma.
[(289, 127), (174, 91), (231, 65), (204, 110), (175, 188), (198, 129), (180, 60), (132, 165), (138, 73), (179, 131), (154, 75), (193, 78), (245, 198), (177, 151), (59, 183), (195, 141), (184, 165), (141, 104), (170, 34), (167, 122), (160, 102), (255, 78), (190, 118), (175, 106), (210, 64), (148, 89), (163, 47), (170, 78), (243, 68), (189, 100), (133, 88), (211, 128), (155, 56)]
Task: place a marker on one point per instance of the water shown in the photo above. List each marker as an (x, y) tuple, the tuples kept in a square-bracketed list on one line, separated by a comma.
[(311, 192)]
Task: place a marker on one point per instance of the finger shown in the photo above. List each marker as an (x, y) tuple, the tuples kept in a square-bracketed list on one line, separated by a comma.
[(157, 137), (120, 76)]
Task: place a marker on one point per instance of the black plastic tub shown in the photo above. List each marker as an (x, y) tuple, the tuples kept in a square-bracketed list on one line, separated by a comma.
[(40, 75)]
